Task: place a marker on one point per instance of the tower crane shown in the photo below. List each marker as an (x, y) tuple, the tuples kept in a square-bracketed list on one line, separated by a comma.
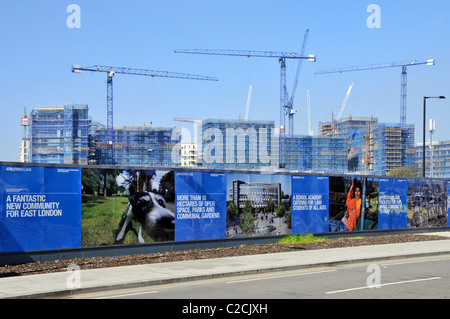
[(249, 98), (308, 110), (284, 101), (110, 72), (290, 104), (403, 86), (344, 103)]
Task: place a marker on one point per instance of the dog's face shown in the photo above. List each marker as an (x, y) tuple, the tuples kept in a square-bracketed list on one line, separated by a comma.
[(150, 210)]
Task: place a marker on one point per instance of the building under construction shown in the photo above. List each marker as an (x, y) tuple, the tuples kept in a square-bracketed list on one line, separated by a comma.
[(60, 135), (327, 154), (372, 147), (231, 144), (437, 158), (133, 145), (67, 135), (393, 147), (249, 144)]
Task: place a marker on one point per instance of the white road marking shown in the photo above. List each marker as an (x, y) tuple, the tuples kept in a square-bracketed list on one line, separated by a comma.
[(382, 285), (127, 294), (414, 262), (281, 276)]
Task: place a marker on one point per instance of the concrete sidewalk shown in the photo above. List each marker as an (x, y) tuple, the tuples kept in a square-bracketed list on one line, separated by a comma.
[(58, 284)]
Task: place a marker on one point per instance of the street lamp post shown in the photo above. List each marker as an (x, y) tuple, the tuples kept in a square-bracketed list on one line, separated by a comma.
[(424, 120)]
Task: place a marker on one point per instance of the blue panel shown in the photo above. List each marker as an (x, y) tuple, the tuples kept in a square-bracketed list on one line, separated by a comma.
[(62, 227), (392, 206), (214, 219), (200, 205), (42, 208), (310, 195), (22, 229), (187, 223), (448, 203)]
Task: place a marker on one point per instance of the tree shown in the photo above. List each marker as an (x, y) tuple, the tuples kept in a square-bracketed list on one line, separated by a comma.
[(246, 222), (403, 171), (111, 182), (137, 180), (270, 206), (91, 181), (280, 211), (167, 186), (288, 219), (232, 210)]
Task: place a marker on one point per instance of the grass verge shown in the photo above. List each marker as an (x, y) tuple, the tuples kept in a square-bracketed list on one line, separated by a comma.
[(300, 239)]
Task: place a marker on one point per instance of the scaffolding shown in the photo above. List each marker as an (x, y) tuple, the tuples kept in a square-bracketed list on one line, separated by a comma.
[(230, 143), (394, 147), (358, 132), (60, 135), (298, 152), (66, 135), (441, 158), (134, 145), (329, 154), (326, 128), (240, 144), (326, 154)]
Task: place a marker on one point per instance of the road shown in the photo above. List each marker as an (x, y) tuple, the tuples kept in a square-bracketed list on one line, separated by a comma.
[(426, 277)]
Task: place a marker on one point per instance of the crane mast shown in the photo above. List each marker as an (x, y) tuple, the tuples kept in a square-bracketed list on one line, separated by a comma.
[(308, 109), (249, 98), (290, 105), (344, 103), (285, 109)]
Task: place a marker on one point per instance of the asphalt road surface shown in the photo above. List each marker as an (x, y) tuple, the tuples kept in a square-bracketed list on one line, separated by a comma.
[(427, 277)]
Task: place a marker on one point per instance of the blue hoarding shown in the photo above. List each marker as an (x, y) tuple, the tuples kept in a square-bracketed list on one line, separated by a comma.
[(392, 203), (448, 202), (310, 204), (200, 205), (51, 207), (41, 208)]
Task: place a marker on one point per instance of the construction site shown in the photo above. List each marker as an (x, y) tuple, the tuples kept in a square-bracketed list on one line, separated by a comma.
[(67, 135), (363, 145), (373, 147)]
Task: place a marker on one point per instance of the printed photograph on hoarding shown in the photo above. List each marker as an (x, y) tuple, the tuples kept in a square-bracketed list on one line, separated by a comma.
[(427, 203), (371, 204), (258, 205), (346, 204), (127, 206)]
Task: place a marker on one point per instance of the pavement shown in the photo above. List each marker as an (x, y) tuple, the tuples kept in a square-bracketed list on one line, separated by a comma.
[(65, 284)]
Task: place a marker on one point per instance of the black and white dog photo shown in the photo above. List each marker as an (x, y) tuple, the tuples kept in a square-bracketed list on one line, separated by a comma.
[(149, 210)]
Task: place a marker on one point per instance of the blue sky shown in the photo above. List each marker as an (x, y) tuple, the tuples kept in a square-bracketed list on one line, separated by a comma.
[(38, 49)]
